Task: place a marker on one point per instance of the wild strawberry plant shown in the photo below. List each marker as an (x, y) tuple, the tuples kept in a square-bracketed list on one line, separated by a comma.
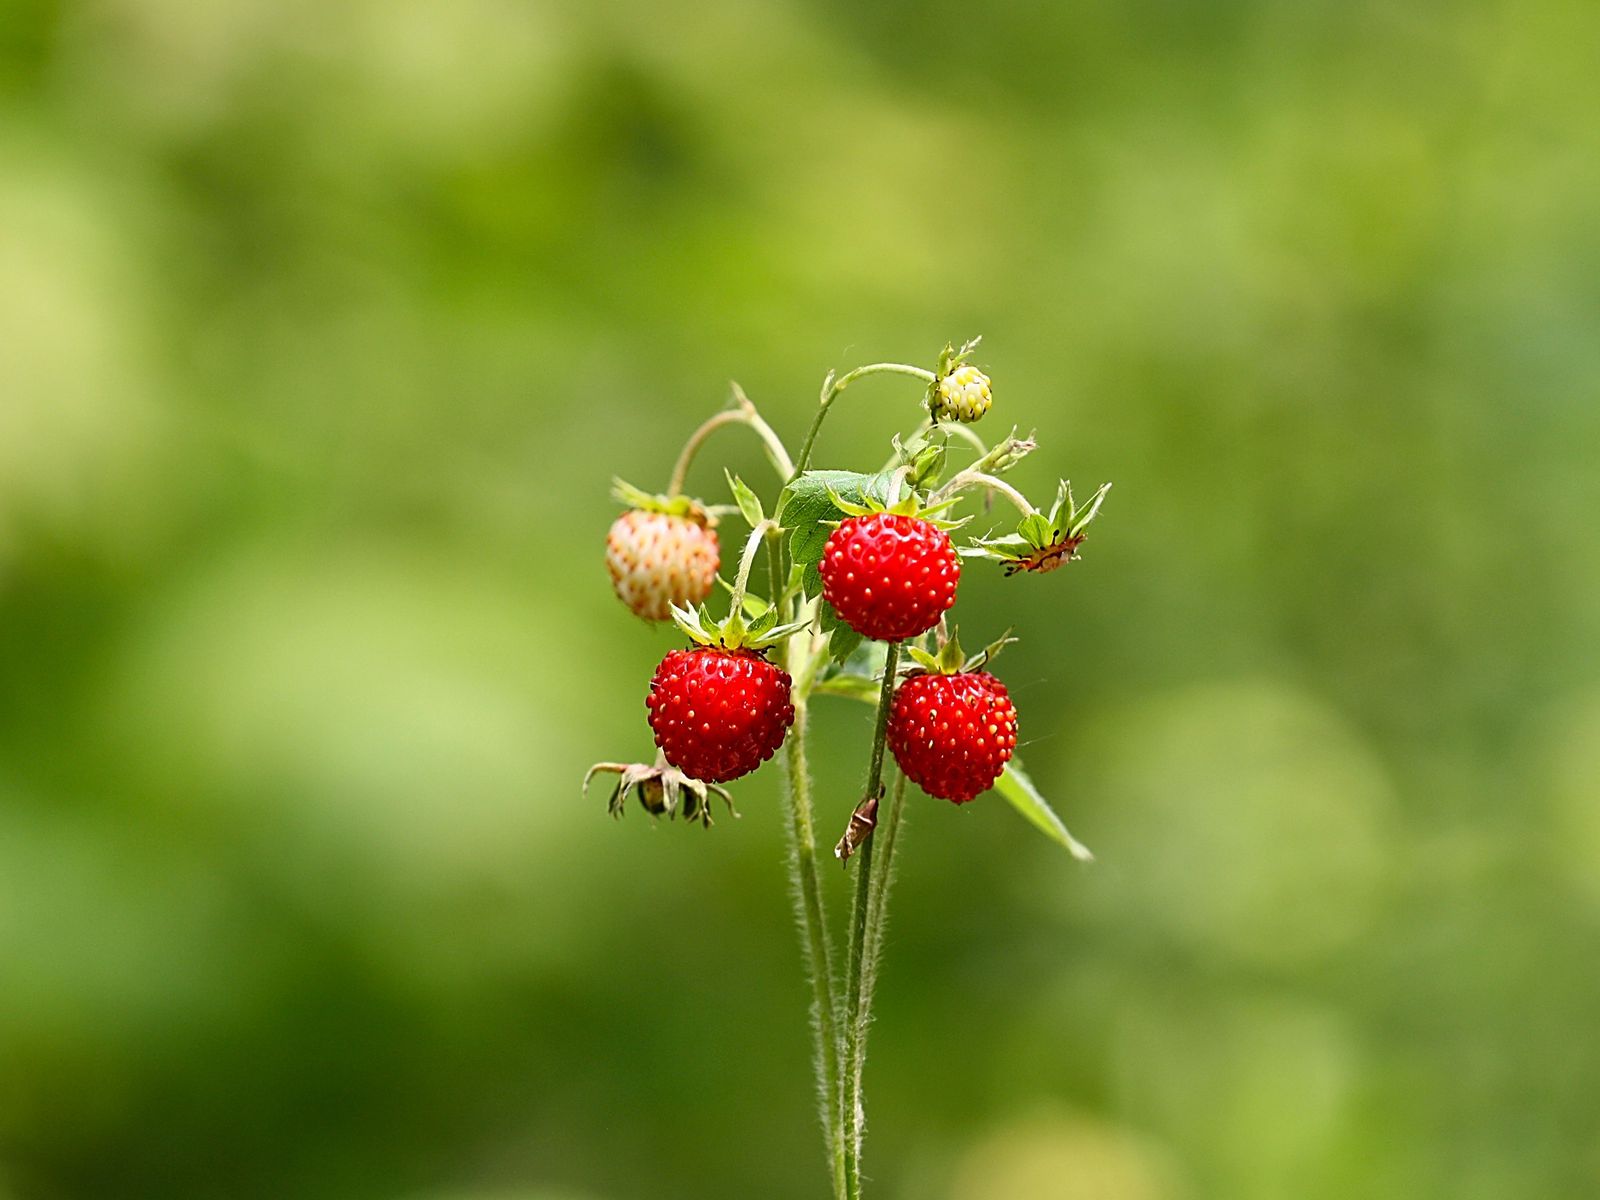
[(861, 573)]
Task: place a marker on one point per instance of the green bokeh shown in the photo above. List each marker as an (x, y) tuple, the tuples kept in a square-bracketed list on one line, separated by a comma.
[(323, 327)]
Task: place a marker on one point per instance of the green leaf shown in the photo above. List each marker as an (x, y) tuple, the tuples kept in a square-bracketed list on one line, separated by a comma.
[(1016, 787), (842, 643), (842, 640), (806, 505), (811, 580), (749, 503)]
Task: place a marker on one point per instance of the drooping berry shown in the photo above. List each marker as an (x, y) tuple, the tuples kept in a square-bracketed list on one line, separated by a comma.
[(962, 395), (659, 559), (889, 576), (953, 734), (719, 714)]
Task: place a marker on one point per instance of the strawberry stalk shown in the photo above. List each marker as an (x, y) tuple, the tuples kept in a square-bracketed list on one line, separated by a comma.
[(971, 478), (858, 982), (744, 414), (831, 387)]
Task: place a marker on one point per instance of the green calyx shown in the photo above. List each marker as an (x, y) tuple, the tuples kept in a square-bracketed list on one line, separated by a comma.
[(951, 660), (734, 632), (901, 500), (1043, 541), (950, 358), (672, 506)]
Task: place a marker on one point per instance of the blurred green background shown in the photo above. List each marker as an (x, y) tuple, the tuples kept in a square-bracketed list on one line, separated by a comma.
[(323, 328)]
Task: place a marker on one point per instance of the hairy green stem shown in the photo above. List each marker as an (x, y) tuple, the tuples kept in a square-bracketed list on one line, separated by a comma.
[(809, 912), (831, 388), (877, 912), (804, 886), (747, 559), (745, 414), (856, 1012), (970, 478)]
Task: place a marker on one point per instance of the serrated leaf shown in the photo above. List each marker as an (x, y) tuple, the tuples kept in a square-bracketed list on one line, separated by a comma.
[(749, 503), (1015, 785), (806, 505), (811, 580), (842, 642)]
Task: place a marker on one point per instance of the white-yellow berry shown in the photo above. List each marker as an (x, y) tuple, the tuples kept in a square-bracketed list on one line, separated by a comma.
[(962, 395), (656, 561)]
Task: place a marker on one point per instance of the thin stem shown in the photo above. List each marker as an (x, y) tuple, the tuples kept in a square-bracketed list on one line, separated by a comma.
[(856, 1015), (745, 414), (831, 388), (805, 887), (877, 912), (757, 536), (807, 892), (969, 478)]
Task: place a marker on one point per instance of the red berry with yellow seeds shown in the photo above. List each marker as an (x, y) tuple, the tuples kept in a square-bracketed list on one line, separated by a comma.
[(659, 559), (719, 714), (889, 576), (953, 734)]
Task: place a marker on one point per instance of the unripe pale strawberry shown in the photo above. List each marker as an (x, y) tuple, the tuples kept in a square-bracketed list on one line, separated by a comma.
[(953, 734), (889, 576), (962, 395), (719, 714), (657, 560)]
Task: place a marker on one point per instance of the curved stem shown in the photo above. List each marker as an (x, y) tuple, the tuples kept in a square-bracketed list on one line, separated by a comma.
[(745, 414), (856, 1014), (831, 387), (746, 560), (967, 479)]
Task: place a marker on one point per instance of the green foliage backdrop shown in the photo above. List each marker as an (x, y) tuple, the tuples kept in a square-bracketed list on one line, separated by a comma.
[(323, 327)]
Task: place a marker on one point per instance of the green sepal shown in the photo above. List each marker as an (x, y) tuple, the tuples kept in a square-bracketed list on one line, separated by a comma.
[(923, 457), (672, 506), (749, 503), (952, 660), (1006, 454), (1060, 530), (734, 633), (909, 505), (1080, 517), (950, 358)]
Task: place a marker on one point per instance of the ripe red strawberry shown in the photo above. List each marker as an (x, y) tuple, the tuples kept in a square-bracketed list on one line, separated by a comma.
[(889, 576), (719, 714), (660, 559), (953, 734)]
